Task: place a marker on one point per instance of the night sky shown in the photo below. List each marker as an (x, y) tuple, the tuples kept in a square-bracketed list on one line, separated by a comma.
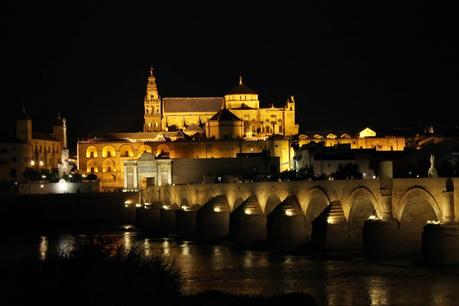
[(348, 65)]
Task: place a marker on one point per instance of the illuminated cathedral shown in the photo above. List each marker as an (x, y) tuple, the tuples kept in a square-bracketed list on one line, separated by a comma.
[(190, 128), (243, 109)]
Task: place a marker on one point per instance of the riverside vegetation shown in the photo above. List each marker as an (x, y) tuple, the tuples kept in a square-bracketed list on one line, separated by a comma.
[(99, 272)]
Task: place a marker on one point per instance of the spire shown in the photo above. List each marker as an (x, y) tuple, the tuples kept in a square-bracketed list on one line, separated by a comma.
[(23, 114), (58, 120), (240, 79), (152, 89)]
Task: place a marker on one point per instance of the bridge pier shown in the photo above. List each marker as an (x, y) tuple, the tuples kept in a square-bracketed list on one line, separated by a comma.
[(213, 219), (248, 224), (330, 229), (286, 225), (185, 219), (440, 244), (167, 219), (148, 218), (381, 238)]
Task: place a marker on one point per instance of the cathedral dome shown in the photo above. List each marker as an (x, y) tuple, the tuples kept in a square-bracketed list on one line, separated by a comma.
[(224, 115), (241, 89)]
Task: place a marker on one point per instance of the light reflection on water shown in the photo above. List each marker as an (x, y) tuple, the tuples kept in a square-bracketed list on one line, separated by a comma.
[(223, 267)]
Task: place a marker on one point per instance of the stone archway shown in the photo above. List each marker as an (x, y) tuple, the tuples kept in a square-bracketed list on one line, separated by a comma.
[(363, 204), (271, 203), (237, 202), (317, 201), (417, 206)]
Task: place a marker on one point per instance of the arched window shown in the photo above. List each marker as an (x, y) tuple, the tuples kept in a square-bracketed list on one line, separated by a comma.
[(108, 165), (91, 166), (144, 148), (91, 152), (126, 151), (108, 151)]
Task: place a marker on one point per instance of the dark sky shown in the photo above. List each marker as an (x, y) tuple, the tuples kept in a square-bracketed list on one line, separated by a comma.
[(348, 65)]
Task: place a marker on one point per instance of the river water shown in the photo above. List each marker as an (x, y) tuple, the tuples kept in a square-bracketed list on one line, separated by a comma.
[(225, 267)]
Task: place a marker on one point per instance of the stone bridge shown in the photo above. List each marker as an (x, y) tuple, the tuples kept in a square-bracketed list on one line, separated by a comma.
[(295, 212)]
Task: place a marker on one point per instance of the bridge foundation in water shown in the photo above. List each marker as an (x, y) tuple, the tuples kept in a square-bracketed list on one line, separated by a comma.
[(381, 238), (384, 217), (440, 244)]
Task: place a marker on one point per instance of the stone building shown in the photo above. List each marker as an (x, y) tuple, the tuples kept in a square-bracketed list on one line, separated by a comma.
[(32, 149), (177, 113), (105, 157), (364, 139), (193, 127)]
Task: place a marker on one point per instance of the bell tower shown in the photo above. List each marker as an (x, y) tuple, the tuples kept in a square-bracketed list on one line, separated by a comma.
[(152, 104)]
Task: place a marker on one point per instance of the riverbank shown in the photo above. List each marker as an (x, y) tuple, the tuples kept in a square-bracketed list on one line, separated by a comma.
[(98, 272), (331, 279)]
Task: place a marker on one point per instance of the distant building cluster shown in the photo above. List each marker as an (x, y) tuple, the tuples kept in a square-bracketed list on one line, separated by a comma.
[(30, 149), (193, 128), (206, 139)]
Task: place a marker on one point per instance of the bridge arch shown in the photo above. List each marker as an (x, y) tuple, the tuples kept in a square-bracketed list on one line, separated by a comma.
[(360, 205), (271, 202), (417, 206), (316, 201), (237, 202), (213, 218)]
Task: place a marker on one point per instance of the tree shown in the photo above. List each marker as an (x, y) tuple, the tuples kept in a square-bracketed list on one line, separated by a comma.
[(347, 171), (32, 174)]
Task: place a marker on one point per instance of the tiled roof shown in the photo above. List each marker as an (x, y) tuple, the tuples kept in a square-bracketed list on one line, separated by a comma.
[(43, 136), (10, 139), (225, 115), (241, 89), (190, 105)]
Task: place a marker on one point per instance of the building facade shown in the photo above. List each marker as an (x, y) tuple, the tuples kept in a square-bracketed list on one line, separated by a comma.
[(106, 157), (31, 149), (364, 139), (190, 128), (178, 113)]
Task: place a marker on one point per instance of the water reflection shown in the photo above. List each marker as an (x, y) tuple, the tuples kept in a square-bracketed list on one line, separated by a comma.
[(222, 267), (43, 248), (166, 247), (66, 245), (185, 248), (127, 241), (378, 291), (147, 247)]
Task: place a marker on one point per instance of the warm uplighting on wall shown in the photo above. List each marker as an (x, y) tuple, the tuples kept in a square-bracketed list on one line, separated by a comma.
[(367, 132), (186, 208), (433, 222), (249, 211), (41, 163), (332, 220), (32, 162)]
